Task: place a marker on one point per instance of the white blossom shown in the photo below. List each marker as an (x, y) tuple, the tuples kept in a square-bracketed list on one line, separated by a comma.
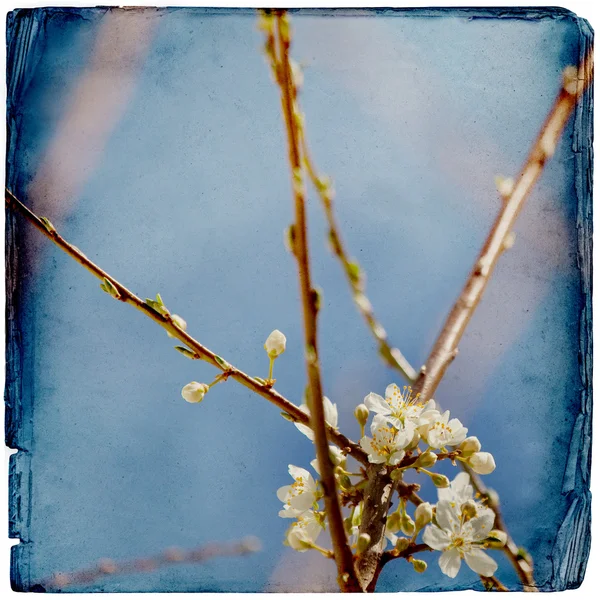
[(387, 444), (400, 408), (331, 417), (275, 344), (194, 392), (303, 533), (300, 496), (482, 463), (460, 538), (441, 432)]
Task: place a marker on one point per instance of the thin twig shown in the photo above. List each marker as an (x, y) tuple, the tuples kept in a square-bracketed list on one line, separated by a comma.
[(110, 568), (354, 274), (347, 579), (166, 323)]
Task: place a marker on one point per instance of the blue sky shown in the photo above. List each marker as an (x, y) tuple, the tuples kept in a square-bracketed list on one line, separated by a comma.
[(175, 181)]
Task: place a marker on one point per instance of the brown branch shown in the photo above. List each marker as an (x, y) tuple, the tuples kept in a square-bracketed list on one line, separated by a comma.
[(347, 579), (355, 277), (445, 349), (107, 567), (166, 323), (521, 565), (499, 239), (491, 583)]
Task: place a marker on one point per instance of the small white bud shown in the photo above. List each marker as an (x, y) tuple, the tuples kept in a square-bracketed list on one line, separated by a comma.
[(194, 392), (297, 74), (180, 322), (419, 565), (504, 185), (470, 446), (570, 80), (426, 459), (423, 515), (275, 344), (361, 412), (497, 538), (407, 525), (440, 481), (482, 463), (363, 303), (402, 544), (393, 522)]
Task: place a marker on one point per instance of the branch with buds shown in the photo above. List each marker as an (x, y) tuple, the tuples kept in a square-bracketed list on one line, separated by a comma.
[(371, 513)]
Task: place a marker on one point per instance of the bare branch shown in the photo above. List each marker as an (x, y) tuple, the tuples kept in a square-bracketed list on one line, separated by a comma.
[(201, 352), (575, 82), (500, 237), (107, 567), (343, 555), (354, 274)]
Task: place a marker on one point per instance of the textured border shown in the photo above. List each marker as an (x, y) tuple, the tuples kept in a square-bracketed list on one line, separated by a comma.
[(25, 29)]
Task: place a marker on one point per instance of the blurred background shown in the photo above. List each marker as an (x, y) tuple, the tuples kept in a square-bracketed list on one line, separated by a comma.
[(153, 140)]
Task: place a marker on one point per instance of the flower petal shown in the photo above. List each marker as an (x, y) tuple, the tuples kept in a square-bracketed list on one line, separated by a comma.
[(298, 472), (481, 525), (436, 538), (480, 562), (375, 403), (283, 492), (302, 502), (450, 562), (306, 430), (392, 390), (447, 515)]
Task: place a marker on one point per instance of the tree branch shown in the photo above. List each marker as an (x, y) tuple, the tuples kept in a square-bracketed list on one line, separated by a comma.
[(341, 549), (500, 238), (166, 323), (354, 275), (445, 349), (107, 567)]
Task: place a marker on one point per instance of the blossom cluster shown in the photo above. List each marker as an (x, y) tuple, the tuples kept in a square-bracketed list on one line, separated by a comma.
[(405, 434)]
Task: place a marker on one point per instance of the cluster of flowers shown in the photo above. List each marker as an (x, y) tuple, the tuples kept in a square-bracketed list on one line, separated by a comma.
[(458, 525)]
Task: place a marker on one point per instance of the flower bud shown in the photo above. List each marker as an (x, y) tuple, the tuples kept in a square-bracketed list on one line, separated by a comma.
[(482, 463), (337, 456), (496, 539), (275, 344), (393, 522), (426, 459), (504, 185), (364, 540), (402, 544), (180, 322), (407, 525), (440, 481), (469, 446), (194, 392), (419, 565), (361, 412), (423, 515)]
